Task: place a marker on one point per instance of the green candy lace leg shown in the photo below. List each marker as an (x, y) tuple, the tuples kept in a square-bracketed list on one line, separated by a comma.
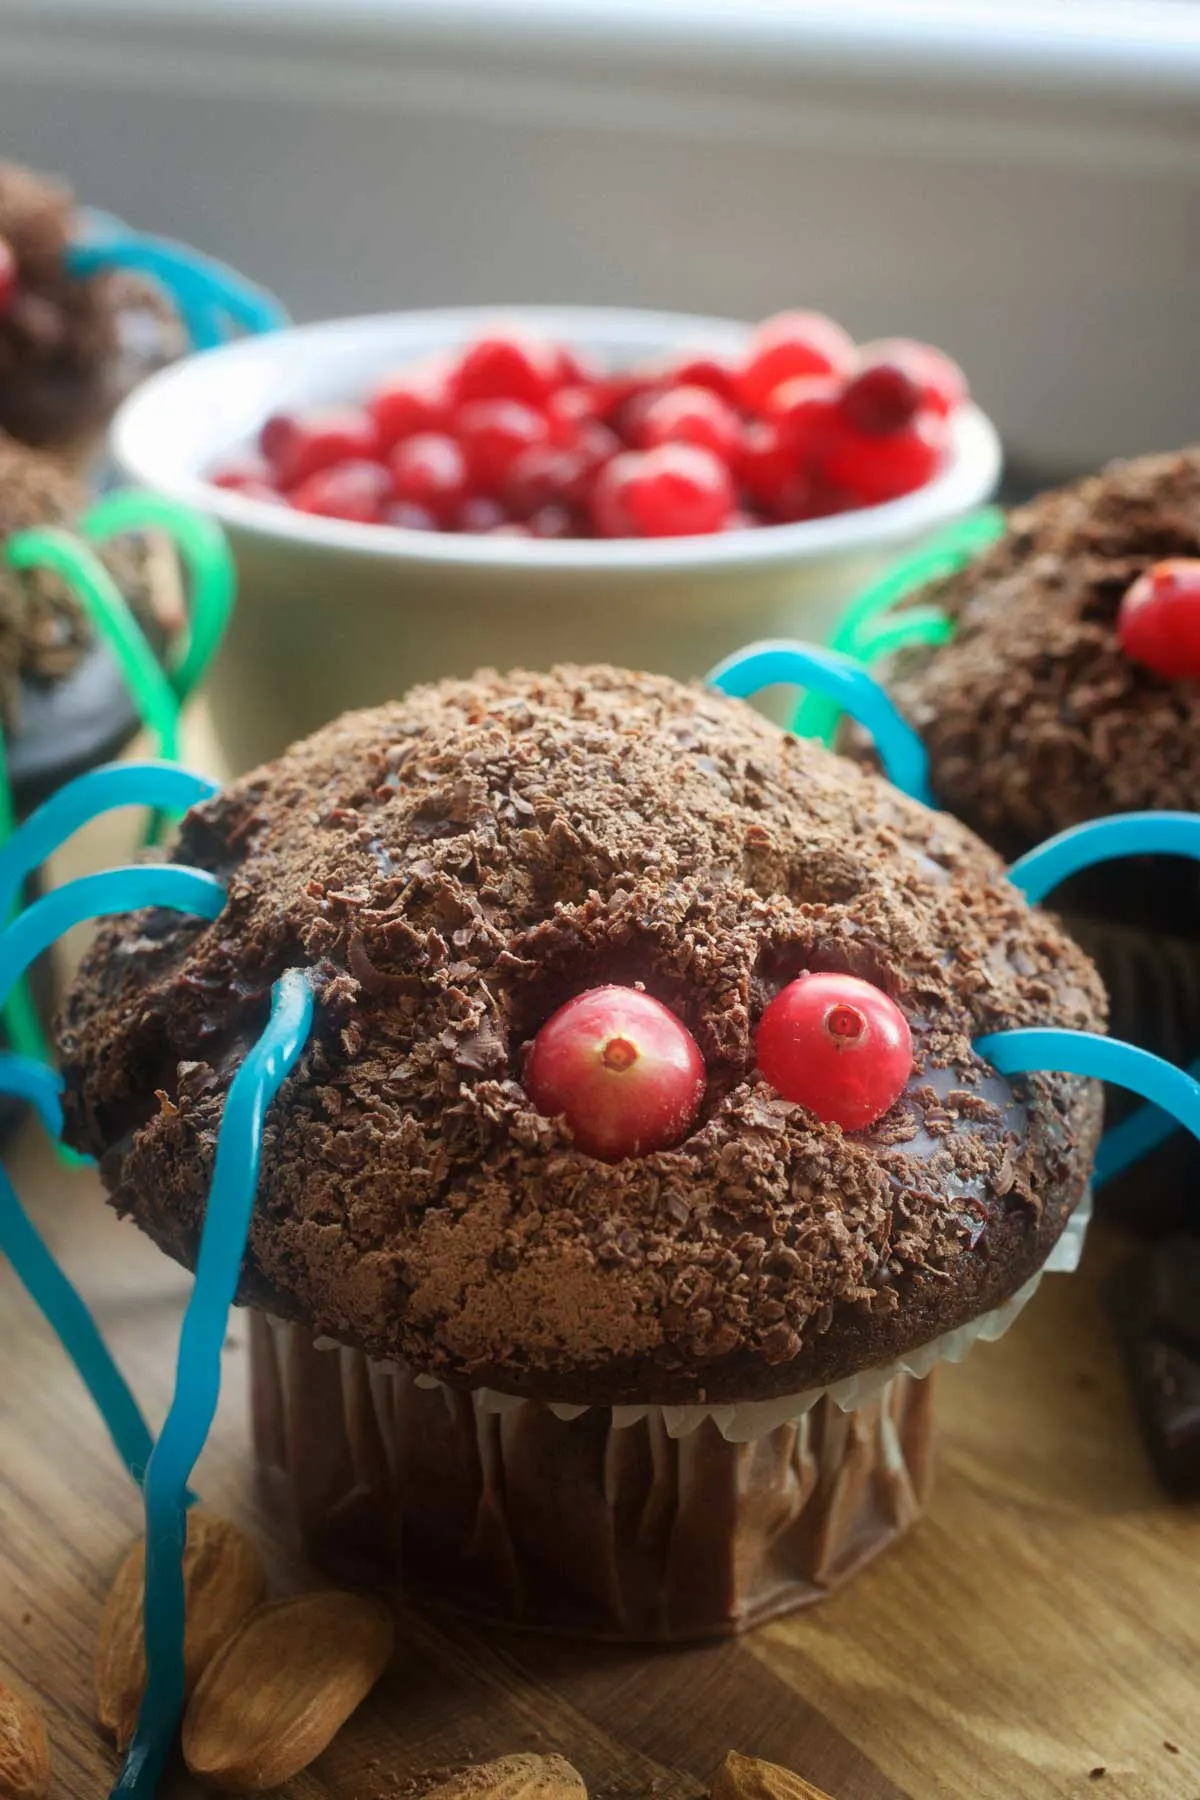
[(102, 600), (110, 612), (207, 561), (951, 550), (21, 1023)]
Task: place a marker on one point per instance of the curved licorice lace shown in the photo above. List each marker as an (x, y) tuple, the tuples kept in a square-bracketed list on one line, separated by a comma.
[(1068, 853), (784, 662), (163, 1468), (213, 300)]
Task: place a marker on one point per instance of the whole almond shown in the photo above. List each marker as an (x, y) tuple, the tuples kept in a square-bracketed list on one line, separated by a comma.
[(223, 1580), (746, 1778), (281, 1689), (24, 1752), (523, 1777)]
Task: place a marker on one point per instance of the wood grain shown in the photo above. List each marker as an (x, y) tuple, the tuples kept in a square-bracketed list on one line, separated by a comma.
[(1042, 1623)]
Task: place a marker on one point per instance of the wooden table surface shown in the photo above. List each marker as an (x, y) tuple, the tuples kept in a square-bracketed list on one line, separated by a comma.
[(1036, 1638)]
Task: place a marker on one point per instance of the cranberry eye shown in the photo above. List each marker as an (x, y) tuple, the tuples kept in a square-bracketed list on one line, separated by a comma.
[(1159, 621), (838, 1046), (623, 1070)]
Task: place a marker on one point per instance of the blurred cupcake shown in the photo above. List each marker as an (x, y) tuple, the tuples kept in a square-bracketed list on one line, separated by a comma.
[(63, 704), (640, 1165), (71, 347), (1070, 689)]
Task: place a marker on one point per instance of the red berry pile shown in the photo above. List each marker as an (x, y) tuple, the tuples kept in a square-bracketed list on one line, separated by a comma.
[(1159, 621), (521, 436)]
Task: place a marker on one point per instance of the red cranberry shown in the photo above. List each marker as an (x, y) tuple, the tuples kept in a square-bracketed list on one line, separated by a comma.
[(709, 372), (692, 415), (838, 1046), (1159, 621), (876, 469), (938, 379), (479, 514), (409, 516), (512, 366), (298, 448), (569, 410), (574, 368), (354, 490), (882, 397), (8, 276), (791, 344), (769, 471), (625, 414), (430, 470), (252, 490), (242, 472), (493, 433), (624, 1071), (541, 476), (676, 490), (806, 411), (416, 399), (553, 521)]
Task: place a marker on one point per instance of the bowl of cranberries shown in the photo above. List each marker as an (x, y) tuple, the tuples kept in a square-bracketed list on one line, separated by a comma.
[(417, 494)]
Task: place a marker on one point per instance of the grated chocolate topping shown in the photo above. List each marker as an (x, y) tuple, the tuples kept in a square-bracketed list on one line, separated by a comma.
[(453, 867)]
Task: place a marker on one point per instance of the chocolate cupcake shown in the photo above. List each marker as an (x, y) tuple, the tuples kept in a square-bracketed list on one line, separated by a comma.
[(1049, 707), (71, 346), (652, 1381)]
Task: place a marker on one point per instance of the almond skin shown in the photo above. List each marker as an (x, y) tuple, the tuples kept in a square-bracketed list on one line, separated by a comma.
[(523, 1777), (281, 1689), (24, 1752), (224, 1579), (746, 1778)]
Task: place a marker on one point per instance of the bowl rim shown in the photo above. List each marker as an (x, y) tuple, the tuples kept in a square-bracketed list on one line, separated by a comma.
[(143, 423)]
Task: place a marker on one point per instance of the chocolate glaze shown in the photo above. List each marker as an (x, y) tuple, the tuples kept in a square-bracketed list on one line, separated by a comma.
[(457, 864)]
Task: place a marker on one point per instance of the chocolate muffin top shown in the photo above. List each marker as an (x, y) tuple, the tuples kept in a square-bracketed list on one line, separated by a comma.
[(66, 343), (1034, 717), (453, 867)]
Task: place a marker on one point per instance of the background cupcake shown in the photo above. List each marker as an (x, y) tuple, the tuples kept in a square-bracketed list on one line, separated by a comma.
[(71, 347), (1070, 689), (590, 1390)]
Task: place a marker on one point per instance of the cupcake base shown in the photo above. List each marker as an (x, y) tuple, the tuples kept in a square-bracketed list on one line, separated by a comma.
[(577, 1524)]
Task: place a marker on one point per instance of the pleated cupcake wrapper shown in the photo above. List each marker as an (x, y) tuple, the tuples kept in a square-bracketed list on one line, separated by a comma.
[(743, 1421)]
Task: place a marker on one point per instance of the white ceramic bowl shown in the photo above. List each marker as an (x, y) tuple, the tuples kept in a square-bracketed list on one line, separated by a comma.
[(333, 614)]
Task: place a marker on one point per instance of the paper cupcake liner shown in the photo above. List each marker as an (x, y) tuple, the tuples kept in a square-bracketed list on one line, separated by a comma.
[(637, 1523)]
